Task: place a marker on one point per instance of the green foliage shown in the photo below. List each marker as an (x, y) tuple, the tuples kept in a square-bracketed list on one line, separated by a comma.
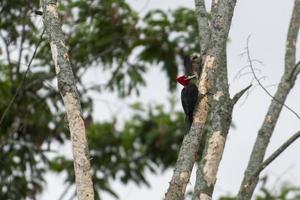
[(126, 154), (26, 129), (110, 34), (164, 35)]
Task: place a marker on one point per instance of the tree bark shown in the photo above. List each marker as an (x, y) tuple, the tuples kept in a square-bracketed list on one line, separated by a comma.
[(214, 109), (221, 105), (276, 153), (69, 93), (264, 134), (189, 148), (203, 24)]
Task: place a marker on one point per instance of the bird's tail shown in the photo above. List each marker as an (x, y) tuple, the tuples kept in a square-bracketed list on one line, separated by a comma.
[(188, 124)]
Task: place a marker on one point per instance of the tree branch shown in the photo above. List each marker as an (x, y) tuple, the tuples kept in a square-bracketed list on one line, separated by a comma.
[(261, 85), (276, 153), (292, 35), (221, 20), (220, 106), (203, 25), (69, 93), (240, 94), (265, 133)]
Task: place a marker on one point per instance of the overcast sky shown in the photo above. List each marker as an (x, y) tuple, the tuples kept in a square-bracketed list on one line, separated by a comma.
[(267, 22)]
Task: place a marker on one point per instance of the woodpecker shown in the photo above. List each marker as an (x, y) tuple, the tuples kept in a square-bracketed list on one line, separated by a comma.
[(189, 96)]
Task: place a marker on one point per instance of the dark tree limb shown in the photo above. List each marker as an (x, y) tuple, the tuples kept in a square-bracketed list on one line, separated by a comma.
[(69, 93), (264, 134)]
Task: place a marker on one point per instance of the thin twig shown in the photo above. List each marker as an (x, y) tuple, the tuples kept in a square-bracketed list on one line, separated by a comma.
[(24, 78), (241, 72), (261, 85)]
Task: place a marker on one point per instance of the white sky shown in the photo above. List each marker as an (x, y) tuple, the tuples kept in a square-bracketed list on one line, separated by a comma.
[(267, 22)]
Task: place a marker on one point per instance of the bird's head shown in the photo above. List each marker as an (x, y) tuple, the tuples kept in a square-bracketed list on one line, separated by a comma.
[(184, 80)]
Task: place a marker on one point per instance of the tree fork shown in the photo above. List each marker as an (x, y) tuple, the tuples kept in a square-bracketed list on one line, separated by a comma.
[(264, 135), (220, 104)]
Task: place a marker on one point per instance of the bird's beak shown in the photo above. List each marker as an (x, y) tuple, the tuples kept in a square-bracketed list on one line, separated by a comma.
[(191, 77)]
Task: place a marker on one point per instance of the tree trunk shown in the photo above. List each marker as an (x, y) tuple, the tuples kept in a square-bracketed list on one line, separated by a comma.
[(69, 93), (215, 108), (264, 134)]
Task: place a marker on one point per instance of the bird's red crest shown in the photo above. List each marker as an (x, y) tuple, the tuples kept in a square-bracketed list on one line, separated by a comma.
[(183, 80)]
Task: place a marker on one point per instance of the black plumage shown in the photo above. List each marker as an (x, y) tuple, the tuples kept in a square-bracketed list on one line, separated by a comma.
[(189, 96)]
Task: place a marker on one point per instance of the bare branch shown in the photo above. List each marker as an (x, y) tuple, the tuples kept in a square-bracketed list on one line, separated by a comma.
[(221, 20), (220, 111), (261, 85), (265, 133), (240, 94), (290, 56), (276, 153), (203, 24), (241, 72), (69, 93)]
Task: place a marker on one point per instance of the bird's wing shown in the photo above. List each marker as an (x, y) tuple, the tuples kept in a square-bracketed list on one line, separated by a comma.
[(189, 96), (193, 93), (185, 100)]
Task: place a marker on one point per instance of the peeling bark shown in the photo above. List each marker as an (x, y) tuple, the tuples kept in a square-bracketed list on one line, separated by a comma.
[(264, 134), (186, 157), (69, 93), (213, 111), (212, 157), (220, 104), (204, 196), (190, 145)]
